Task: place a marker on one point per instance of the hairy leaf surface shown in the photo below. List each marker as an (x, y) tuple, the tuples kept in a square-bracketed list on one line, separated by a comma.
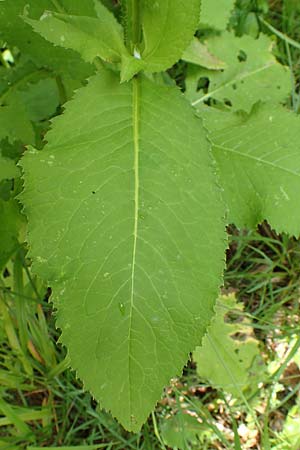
[(252, 73), (259, 162), (125, 224)]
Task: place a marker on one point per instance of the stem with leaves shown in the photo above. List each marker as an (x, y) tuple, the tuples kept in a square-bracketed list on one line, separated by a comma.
[(132, 23)]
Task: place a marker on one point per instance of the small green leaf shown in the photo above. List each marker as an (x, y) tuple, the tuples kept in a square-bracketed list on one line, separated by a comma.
[(223, 359), (259, 163), (177, 430), (89, 36), (125, 224), (198, 53), (289, 437), (168, 28), (216, 13), (252, 74)]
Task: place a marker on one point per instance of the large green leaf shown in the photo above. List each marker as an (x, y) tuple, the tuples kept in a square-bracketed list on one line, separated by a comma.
[(252, 74), (216, 13), (168, 28), (259, 162), (125, 224), (89, 36)]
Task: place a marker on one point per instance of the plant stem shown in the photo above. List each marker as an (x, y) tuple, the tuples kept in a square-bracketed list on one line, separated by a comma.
[(133, 24)]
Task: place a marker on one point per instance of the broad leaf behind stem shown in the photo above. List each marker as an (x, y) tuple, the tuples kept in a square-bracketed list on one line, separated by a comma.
[(252, 74), (259, 163), (125, 223)]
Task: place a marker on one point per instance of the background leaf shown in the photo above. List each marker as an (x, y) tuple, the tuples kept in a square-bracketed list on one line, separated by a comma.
[(228, 351), (198, 53), (15, 123), (125, 223), (216, 13), (252, 74), (181, 429), (62, 61), (10, 222), (8, 169), (27, 94), (259, 162)]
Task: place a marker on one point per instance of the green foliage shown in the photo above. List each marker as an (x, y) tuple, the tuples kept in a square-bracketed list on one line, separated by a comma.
[(216, 13), (168, 28), (126, 222), (15, 130), (41, 99), (182, 430), (89, 36), (8, 169), (198, 53), (252, 73), (227, 354), (141, 201), (261, 180), (289, 437), (10, 224), (42, 53)]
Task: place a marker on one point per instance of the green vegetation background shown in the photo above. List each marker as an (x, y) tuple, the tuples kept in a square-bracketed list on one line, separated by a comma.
[(42, 404)]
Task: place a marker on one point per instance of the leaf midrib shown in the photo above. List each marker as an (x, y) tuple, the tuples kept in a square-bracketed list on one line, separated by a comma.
[(239, 78), (136, 132), (254, 158)]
